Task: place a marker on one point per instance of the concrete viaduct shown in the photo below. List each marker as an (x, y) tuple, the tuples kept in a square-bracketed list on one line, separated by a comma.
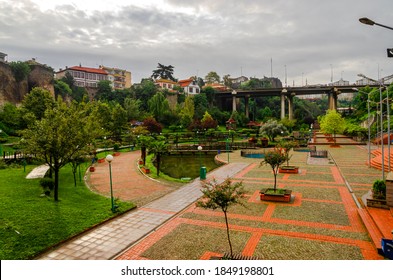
[(286, 95)]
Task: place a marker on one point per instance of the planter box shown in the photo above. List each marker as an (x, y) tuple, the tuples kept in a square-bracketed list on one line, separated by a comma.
[(145, 170), (116, 154), (92, 168), (289, 169), (285, 197), (377, 203), (101, 160)]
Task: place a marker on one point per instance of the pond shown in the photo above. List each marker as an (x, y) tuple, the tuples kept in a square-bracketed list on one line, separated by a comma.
[(252, 154), (183, 166)]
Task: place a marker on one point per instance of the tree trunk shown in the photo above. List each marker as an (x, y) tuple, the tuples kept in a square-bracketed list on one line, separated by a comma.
[(158, 163), (56, 194), (143, 150), (228, 236)]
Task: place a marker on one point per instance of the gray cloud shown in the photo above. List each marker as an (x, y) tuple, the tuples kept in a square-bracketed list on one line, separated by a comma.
[(230, 37)]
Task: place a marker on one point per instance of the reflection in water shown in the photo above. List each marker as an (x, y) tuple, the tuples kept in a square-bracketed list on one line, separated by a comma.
[(181, 166)]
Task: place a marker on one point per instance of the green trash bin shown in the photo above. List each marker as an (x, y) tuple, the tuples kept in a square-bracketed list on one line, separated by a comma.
[(202, 173)]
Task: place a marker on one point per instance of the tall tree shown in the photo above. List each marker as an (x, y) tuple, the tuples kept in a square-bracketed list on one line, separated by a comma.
[(158, 105), (62, 133), (157, 148), (163, 72), (212, 77), (272, 129), (36, 103), (133, 108), (332, 123)]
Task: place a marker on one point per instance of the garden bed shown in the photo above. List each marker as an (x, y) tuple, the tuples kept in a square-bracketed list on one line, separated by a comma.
[(289, 169), (280, 195)]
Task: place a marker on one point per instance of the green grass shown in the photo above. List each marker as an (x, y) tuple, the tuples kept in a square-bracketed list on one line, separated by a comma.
[(30, 223), (318, 212), (285, 248), (189, 242)]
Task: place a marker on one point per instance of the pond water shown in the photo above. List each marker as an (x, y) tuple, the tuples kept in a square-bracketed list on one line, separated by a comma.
[(183, 166), (254, 155)]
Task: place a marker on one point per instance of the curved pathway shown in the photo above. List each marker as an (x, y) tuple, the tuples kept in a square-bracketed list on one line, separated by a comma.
[(127, 181), (111, 238)]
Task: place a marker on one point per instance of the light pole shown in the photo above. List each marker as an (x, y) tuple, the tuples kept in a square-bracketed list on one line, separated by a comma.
[(368, 124), (227, 146), (381, 123), (109, 159), (368, 21)]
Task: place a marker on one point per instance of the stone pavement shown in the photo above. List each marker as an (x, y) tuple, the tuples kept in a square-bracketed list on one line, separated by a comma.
[(323, 221), (109, 239)]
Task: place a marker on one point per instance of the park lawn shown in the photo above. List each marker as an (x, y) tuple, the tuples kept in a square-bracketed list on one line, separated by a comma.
[(30, 223)]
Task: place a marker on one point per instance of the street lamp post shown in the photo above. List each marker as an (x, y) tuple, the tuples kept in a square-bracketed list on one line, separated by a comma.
[(368, 125), (368, 21), (200, 150), (109, 159), (381, 122), (227, 147)]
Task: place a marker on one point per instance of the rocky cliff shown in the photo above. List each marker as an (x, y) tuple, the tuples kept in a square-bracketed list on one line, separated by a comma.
[(14, 92)]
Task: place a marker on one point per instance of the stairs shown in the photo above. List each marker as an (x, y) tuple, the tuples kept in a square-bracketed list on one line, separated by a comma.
[(376, 162)]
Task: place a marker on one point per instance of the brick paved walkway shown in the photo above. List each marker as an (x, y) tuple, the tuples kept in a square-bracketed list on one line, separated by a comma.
[(110, 238), (322, 221)]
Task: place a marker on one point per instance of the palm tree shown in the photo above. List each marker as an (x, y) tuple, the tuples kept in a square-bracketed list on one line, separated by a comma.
[(143, 142), (164, 72), (158, 148)]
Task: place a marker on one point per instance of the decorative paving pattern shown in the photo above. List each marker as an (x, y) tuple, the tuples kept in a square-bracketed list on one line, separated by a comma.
[(322, 216)]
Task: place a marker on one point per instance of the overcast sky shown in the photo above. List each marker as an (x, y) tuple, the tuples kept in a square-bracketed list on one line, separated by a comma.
[(306, 39)]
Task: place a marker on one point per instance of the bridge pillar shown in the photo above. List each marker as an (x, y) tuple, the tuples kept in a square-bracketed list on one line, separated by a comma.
[(234, 101), (332, 101), (290, 106), (283, 104), (246, 104)]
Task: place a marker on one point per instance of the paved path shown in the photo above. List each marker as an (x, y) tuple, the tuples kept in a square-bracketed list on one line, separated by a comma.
[(111, 238), (38, 172)]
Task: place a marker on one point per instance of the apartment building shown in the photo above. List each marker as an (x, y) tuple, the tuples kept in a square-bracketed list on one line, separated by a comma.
[(84, 76), (119, 78)]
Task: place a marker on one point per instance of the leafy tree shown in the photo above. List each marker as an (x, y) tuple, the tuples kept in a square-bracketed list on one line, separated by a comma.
[(144, 92), (20, 70), (104, 91), (144, 141), (200, 105), (210, 94), (332, 123), (62, 89), (158, 105), (133, 108), (164, 72), (62, 133), (264, 114), (275, 159), (119, 121), (212, 77), (11, 117), (157, 148), (272, 129), (289, 124), (208, 122), (152, 125), (37, 102), (222, 196), (187, 112)]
